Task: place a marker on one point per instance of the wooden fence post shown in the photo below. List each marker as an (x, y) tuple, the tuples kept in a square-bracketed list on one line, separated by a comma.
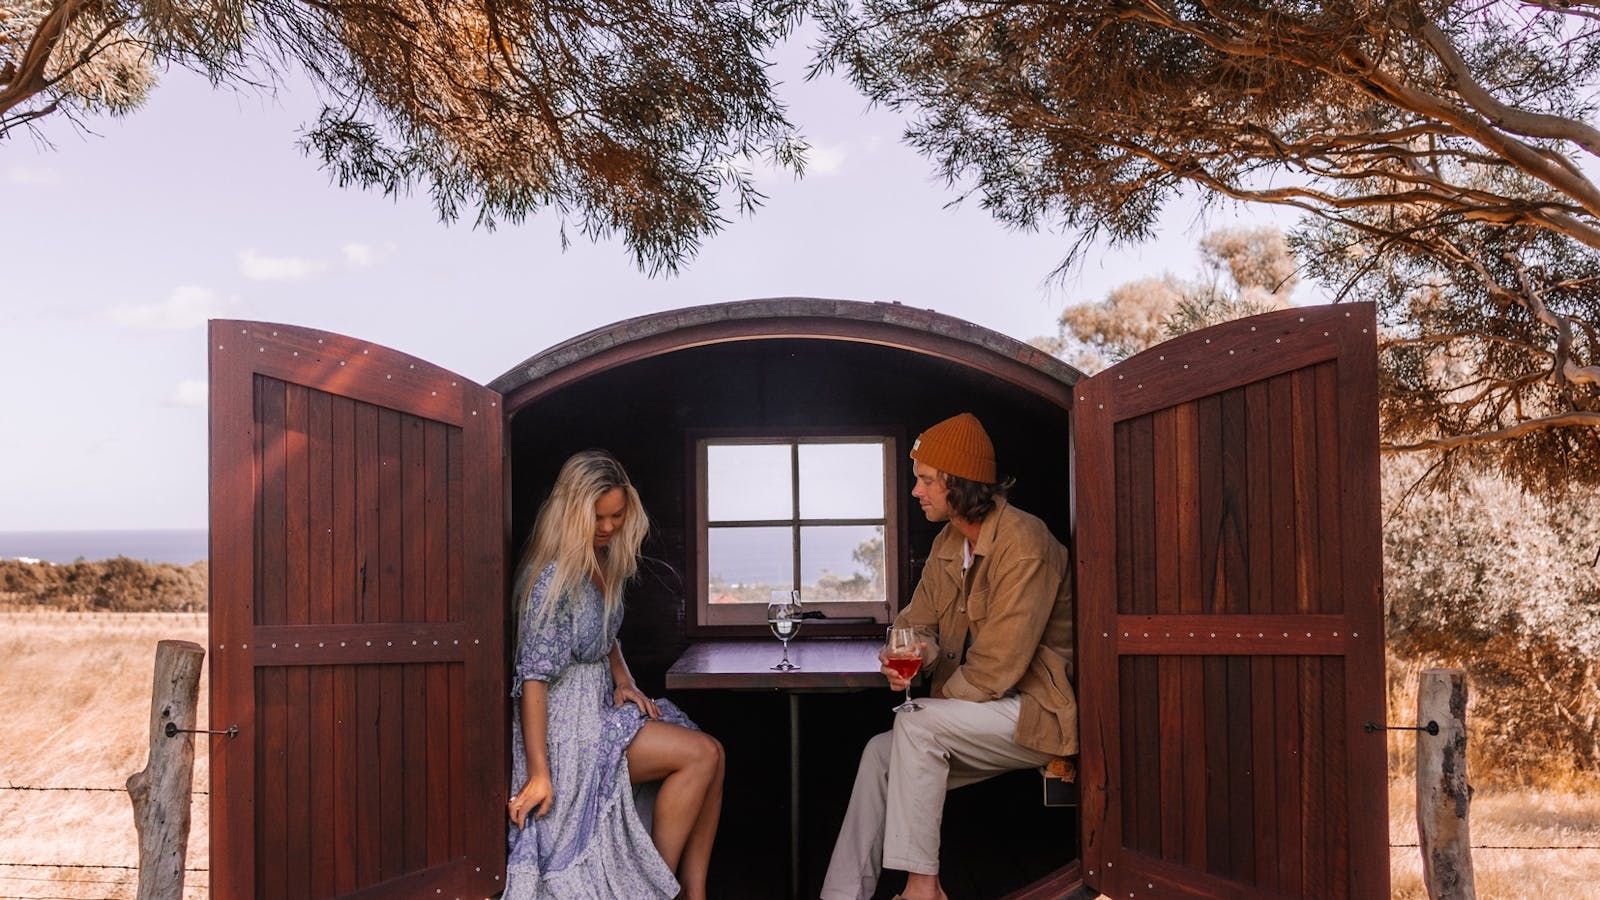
[(160, 791), (1443, 792)]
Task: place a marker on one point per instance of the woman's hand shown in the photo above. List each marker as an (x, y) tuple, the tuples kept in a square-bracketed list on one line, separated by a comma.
[(629, 693), (534, 797)]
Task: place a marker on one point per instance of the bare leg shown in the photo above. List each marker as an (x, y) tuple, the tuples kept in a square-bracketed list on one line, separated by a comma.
[(689, 765), (923, 887), (697, 850)]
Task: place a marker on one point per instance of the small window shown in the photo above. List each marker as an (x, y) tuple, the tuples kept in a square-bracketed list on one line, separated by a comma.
[(779, 513)]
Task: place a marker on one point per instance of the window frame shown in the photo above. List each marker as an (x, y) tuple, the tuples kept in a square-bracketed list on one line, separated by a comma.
[(857, 617)]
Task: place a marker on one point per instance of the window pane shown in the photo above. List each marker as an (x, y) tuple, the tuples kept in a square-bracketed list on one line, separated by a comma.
[(841, 562), (841, 481), (744, 565), (748, 481)]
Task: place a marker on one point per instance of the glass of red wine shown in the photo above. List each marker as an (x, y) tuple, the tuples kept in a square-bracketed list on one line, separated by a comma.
[(902, 655)]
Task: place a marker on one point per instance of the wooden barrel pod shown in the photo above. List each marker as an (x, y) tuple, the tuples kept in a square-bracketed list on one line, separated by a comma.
[(648, 388), (368, 508)]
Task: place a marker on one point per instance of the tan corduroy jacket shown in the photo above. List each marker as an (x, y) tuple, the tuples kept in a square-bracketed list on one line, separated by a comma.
[(1016, 600)]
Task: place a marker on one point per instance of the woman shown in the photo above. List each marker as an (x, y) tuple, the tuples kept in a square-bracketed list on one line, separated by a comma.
[(582, 733)]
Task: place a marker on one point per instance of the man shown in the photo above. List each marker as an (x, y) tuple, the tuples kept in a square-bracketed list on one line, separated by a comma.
[(995, 607)]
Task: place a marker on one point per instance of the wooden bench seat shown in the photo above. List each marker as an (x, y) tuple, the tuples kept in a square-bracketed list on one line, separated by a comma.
[(1060, 781)]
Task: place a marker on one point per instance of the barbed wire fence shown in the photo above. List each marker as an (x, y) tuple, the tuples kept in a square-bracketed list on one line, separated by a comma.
[(33, 880), (20, 879)]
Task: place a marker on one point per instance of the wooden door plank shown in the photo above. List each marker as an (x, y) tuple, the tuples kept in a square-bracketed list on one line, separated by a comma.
[(437, 609), (271, 575), (391, 688), (1164, 524), (1280, 433), (296, 822), (297, 777), (1258, 492), (1127, 795), (1335, 789), (1330, 541), (1264, 764), (1307, 506), (1233, 578), (1213, 518), (1361, 543), (1195, 762), (486, 769), (1141, 504), (234, 523), (369, 590), (1098, 555), (1186, 453), (322, 786), (1144, 789), (1168, 788), (1219, 835), (319, 507), (272, 851), (1290, 753), (368, 541), (346, 796), (1314, 833), (369, 787), (1242, 783), (414, 608), (346, 515), (296, 507)]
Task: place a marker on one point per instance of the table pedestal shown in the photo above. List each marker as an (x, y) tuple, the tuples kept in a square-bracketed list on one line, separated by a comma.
[(826, 665)]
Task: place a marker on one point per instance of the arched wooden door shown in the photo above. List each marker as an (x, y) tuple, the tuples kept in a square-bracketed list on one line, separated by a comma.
[(357, 621), (1231, 633)]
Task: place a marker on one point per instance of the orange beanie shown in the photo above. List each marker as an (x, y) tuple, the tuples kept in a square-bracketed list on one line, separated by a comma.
[(958, 446)]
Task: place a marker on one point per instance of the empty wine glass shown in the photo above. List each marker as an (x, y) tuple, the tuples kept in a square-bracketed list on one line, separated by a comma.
[(901, 655), (783, 617)]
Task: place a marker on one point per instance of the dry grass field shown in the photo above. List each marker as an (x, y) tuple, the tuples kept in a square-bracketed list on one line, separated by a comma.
[(76, 691), (75, 688)]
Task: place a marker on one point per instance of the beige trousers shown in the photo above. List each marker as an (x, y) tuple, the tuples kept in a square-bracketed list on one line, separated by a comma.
[(897, 803)]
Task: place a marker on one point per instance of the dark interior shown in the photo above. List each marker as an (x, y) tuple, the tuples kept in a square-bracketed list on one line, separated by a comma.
[(997, 835)]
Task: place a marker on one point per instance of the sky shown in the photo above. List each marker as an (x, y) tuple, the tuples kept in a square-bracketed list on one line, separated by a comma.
[(117, 246)]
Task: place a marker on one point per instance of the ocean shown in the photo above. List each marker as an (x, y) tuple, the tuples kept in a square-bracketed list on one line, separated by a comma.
[(746, 558), (165, 545)]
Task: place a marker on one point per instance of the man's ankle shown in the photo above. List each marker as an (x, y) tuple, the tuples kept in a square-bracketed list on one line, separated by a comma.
[(922, 887)]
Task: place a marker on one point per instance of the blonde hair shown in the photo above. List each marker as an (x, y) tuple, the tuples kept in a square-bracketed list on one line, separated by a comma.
[(563, 535)]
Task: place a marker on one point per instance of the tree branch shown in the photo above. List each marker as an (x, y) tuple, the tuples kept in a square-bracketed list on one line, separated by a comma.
[(1529, 124), (30, 78), (1575, 418)]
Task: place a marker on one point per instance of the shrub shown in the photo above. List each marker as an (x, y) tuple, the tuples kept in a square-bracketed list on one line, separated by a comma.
[(113, 585)]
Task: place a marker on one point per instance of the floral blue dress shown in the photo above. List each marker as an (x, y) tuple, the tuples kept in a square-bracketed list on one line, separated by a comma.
[(592, 844)]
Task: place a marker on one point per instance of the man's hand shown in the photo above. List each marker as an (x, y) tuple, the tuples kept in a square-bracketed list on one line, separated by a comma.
[(896, 682)]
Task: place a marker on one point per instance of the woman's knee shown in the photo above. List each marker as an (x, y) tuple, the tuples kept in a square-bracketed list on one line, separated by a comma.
[(712, 752)]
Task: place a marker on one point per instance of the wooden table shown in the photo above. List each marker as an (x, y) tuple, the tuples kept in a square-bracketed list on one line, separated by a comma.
[(826, 664)]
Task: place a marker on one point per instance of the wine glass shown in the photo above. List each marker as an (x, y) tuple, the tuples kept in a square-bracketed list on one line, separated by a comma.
[(783, 617), (901, 655)]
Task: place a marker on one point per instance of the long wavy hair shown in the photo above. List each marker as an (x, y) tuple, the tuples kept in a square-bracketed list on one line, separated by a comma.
[(564, 531), (974, 500)]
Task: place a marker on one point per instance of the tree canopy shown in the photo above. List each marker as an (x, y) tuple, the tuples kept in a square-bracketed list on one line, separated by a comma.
[(625, 117), (1246, 271), (1441, 150), (1438, 149)]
